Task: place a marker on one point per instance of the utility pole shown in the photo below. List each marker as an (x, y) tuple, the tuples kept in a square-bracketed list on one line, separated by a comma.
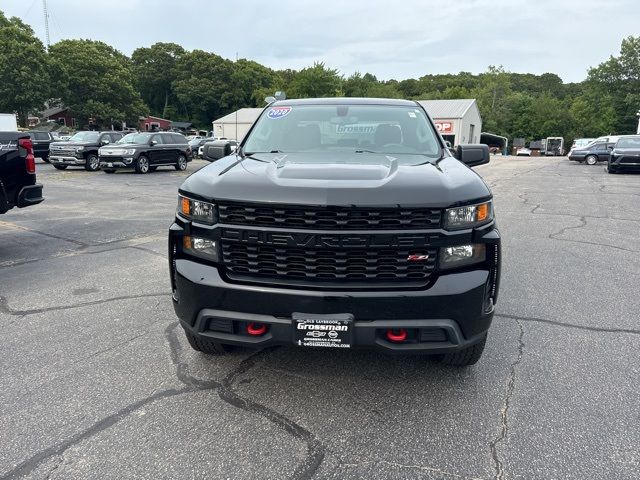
[(46, 22)]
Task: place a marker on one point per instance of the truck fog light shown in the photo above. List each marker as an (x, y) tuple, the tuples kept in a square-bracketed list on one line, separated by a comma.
[(462, 255), (128, 160), (200, 247)]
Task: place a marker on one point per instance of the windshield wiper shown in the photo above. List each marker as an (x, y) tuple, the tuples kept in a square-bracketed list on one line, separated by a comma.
[(366, 151)]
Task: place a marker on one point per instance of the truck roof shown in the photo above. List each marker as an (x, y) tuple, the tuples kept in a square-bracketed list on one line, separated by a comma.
[(346, 101)]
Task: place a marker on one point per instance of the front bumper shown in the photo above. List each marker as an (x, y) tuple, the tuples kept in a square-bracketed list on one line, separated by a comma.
[(116, 162), (59, 160), (454, 306), (625, 162)]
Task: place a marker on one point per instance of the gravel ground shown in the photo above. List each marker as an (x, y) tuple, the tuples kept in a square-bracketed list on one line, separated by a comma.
[(98, 381)]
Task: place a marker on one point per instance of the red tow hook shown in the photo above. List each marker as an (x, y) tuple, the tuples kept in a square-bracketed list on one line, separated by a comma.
[(256, 329), (396, 335)]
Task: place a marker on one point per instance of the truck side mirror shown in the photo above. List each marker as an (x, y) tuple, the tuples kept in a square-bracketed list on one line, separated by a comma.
[(473, 155), (153, 142)]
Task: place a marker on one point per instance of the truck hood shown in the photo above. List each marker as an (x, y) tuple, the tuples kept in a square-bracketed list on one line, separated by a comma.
[(358, 179)]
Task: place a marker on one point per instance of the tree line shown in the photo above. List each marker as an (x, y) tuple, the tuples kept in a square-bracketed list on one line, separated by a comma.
[(97, 81)]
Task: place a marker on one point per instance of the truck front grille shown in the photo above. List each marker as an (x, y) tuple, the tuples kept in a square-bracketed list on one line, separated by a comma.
[(264, 262), (328, 218)]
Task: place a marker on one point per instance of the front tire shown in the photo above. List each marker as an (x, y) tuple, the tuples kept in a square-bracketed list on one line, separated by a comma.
[(45, 159), (142, 165), (610, 169), (465, 357), (591, 159), (205, 345), (181, 165), (60, 167), (93, 163)]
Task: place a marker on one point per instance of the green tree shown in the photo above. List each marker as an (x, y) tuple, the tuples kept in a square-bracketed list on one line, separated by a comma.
[(316, 81), (621, 75), (24, 76), (202, 86), (95, 81), (155, 69), (491, 92)]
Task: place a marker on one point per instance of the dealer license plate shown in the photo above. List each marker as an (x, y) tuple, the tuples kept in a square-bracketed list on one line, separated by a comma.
[(330, 331)]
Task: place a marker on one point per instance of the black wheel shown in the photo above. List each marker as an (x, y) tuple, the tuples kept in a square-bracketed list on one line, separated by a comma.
[(93, 163), (108, 170), (205, 345), (610, 168), (45, 159), (182, 163), (153, 169), (142, 165), (60, 167), (591, 159), (464, 358)]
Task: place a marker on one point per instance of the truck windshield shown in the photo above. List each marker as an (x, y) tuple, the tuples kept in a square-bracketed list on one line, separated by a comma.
[(85, 137), (629, 142), (385, 129), (137, 138)]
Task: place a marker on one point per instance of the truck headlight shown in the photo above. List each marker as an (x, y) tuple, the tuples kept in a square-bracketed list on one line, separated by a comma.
[(462, 255), (79, 149), (200, 247), (469, 216), (130, 151), (196, 210)]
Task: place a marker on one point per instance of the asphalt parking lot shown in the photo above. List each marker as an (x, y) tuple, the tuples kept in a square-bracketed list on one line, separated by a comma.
[(97, 380)]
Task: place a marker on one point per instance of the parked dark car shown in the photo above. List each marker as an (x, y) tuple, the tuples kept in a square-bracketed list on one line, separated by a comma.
[(339, 223), (625, 155), (81, 150), (145, 152), (41, 143), (592, 154), (18, 186)]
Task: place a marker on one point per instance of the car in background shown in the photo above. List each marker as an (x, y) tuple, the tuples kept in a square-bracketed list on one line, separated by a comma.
[(592, 153), (145, 152), (81, 150), (523, 152), (625, 154), (41, 143), (581, 142)]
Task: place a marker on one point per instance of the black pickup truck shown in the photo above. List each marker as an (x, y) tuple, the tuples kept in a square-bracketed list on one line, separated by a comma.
[(81, 150), (339, 223), (18, 187)]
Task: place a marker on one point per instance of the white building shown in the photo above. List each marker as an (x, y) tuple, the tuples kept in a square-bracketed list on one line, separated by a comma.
[(457, 120), (236, 124)]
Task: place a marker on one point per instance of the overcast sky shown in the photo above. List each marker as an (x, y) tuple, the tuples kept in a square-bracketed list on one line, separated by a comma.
[(391, 39)]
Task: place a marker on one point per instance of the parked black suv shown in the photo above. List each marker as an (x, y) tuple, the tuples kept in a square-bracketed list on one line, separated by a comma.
[(81, 150), (146, 152), (41, 143), (338, 223), (625, 155)]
